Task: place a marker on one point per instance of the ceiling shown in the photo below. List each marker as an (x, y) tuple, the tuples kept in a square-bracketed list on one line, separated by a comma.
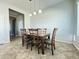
[(24, 4)]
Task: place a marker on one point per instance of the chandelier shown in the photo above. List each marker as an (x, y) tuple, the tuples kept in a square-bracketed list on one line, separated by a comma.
[(35, 12)]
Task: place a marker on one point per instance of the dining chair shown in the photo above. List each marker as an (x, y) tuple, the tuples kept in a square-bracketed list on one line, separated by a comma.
[(33, 31), (42, 31), (36, 40), (28, 40), (22, 34), (33, 36), (22, 31), (25, 38), (52, 41)]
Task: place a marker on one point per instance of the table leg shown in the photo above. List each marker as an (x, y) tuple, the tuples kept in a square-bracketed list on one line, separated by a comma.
[(43, 47), (22, 41), (42, 50)]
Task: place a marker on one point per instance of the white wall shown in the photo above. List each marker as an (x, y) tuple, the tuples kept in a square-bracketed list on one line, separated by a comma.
[(60, 16), (4, 21), (76, 40), (78, 19), (4, 24)]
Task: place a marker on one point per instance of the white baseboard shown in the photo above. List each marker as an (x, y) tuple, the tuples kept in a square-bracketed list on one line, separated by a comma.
[(68, 42), (75, 45), (1, 43)]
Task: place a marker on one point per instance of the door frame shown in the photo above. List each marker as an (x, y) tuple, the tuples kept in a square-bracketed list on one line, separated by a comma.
[(19, 13)]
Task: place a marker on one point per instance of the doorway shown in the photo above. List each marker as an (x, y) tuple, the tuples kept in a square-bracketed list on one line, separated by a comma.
[(16, 23), (12, 27)]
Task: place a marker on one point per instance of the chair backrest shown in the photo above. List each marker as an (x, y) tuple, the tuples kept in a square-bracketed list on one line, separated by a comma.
[(23, 31), (33, 31), (42, 31), (54, 34)]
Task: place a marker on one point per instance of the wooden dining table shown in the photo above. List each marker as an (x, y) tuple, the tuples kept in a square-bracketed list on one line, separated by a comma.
[(42, 38)]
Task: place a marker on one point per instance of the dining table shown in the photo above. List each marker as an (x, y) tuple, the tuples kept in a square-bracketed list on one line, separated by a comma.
[(42, 38)]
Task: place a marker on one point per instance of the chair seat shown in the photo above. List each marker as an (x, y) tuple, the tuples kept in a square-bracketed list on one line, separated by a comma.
[(28, 40), (48, 42)]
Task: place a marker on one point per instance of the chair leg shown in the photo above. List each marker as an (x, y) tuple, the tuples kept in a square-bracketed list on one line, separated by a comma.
[(54, 46), (46, 45), (43, 50), (31, 47), (27, 46), (38, 48), (22, 41), (38, 51), (52, 49), (52, 52)]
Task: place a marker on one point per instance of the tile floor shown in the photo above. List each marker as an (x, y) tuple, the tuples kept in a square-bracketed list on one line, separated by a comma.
[(14, 50)]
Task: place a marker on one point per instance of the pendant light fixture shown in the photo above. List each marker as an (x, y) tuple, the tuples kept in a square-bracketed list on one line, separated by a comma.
[(34, 8), (34, 13), (39, 11), (30, 8), (30, 14)]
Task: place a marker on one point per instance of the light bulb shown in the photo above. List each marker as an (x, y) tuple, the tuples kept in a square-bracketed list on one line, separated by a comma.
[(40, 11), (30, 14), (34, 13)]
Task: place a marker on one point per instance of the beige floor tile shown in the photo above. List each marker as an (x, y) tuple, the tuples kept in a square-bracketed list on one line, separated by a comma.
[(14, 50)]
